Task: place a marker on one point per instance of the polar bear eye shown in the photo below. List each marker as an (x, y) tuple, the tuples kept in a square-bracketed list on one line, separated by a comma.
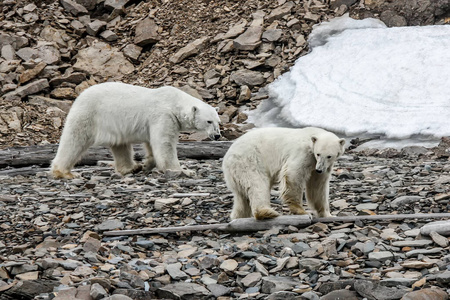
[(318, 154), (329, 156), (209, 122)]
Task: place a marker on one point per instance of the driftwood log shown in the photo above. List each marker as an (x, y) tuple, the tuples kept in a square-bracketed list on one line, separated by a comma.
[(19, 157), (251, 224)]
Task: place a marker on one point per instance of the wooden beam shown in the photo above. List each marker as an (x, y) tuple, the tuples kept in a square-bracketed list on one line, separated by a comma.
[(250, 224), (42, 155)]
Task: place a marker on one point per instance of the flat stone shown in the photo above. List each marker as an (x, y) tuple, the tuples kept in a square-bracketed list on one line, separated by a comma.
[(247, 77), (182, 290), (189, 50), (416, 252), (235, 30), (95, 27), (251, 279), (218, 290), (29, 89), (340, 294), (281, 11), (415, 243), (382, 255), (404, 200), (118, 5), (175, 272), (110, 224), (146, 33), (441, 227), (372, 290), (101, 59), (132, 51), (162, 203), (426, 294), (369, 206), (393, 282), (272, 284), (98, 292), (439, 239), (417, 264), (443, 278), (229, 265), (272, 35), (74, 8), (249, 40), (283, 295), (309, 264)]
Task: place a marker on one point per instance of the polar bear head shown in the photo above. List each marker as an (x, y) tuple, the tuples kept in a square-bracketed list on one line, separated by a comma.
[(327, 148), (206, 119)]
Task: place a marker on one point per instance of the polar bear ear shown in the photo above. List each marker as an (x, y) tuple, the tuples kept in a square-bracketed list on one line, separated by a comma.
[(342, 142), (313, 139)]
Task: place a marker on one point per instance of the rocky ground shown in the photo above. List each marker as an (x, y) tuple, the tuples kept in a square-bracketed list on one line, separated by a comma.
[(53, 246), (221, 51)]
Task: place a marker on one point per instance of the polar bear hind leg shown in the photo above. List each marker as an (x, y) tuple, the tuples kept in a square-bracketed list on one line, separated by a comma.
[(317, 190), (251, 192), (71, 148), (149, 162), (123, 159)]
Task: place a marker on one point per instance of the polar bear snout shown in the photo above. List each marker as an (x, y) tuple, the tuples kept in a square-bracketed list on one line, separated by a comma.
[(217, 136), (319, 171)]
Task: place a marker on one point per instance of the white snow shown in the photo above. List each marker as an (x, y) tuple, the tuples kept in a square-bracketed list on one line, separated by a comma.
[(362, 78)]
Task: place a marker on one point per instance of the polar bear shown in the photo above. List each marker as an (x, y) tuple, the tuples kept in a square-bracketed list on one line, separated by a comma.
[(299, 159), (117, 115)]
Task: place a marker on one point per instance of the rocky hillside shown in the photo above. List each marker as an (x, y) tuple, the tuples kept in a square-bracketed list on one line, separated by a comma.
[(221, 51)]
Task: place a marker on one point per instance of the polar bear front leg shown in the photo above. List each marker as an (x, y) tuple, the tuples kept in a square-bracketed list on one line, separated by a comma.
[(164, 148), (259, 197), (317, 193), (123, 159)]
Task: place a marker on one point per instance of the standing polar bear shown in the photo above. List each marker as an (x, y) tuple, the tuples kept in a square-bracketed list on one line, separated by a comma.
[(299, 159), (117, 115)]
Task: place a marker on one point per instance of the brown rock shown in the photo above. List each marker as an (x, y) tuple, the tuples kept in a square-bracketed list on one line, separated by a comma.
[(31, 73), (190, 49), (249, 40), (146, 33), (281, 11), (426, 294), (95, 27), (73, 7), (247, 77), (63, 93)]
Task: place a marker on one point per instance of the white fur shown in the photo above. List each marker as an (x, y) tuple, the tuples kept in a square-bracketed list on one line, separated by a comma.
[(291, 157), (117, 115)]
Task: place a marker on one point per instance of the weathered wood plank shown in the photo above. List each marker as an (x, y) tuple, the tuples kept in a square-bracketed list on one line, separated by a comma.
[(250, 224), (43, 154)]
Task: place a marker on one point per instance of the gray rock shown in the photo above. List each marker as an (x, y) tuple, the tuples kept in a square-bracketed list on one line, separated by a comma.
[(281, 11), (392, 19), (134, 294), (109, 35), (382, 255), (416, 252), (146, 33), (247, 77), (272, 284), (132, 51), (8, 52), (340, 295), (117, 297), (309, 264), (272, 35), (110, 224), (441, 227), (415, 243), (249, 40), (103, 60), (369, 206), (95, 27), (393, 282), (189, 50), (372, 290), (75, 78), (183, 290), (73, 7), (251, 279), (175, 272), (29, 289), (98, 292), (235, 30), (443, 278), (337, 3), (118, 5), (218, 290), (29, 89), (283, 295), (439, 239), (404, 200)]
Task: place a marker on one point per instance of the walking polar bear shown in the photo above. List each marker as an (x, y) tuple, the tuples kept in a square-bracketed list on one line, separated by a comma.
[(118, 115), (299, 159)]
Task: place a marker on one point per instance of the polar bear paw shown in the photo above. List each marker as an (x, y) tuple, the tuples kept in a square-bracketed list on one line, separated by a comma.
[(188, 172), (296, 209), (57, 174), (265, 213)]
